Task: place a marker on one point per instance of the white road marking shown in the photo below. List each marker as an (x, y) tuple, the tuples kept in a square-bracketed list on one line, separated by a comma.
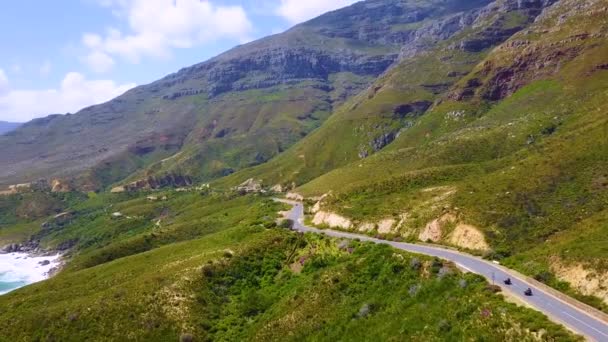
[(582, 322), (465, 268), (452, 255)]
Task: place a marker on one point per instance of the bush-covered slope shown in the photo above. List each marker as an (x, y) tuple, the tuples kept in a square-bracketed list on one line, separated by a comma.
[(251, 282), (489, 134), (236, 110), (442, 52), (515, 150)]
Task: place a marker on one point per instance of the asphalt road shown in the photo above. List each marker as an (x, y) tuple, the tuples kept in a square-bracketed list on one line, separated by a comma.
[(591, 326)]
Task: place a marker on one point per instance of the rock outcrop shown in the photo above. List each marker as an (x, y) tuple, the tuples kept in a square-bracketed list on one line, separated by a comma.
[(366, 227), (524, 59), (152, 183), (584, 279), (386, 226), (278, 188), (250, 185), (58, 185), (469, 237), (31, 246), (331, 220), (433, 231), (310, 69), (294, 196)]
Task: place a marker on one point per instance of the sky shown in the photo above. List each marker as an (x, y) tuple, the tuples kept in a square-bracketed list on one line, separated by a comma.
[(61, 56)]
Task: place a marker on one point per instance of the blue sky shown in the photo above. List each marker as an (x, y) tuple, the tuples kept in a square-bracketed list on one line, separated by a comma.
[(60, 56)]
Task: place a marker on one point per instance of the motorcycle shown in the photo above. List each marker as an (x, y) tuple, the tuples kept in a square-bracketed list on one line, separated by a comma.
[(507, 281), (528, 292)]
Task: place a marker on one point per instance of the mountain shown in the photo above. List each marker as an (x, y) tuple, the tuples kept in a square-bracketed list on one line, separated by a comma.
[(6, 127), (508, 159), (439, 55), (477, 125), (236, 110)]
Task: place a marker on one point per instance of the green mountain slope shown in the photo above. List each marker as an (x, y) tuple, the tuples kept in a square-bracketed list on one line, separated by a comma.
[(236, 110), (475, 124), (429, 66), (509, 161), (243, 278)]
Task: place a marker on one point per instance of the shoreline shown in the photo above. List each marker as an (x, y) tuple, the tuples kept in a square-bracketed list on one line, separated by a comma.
[(22, 268)]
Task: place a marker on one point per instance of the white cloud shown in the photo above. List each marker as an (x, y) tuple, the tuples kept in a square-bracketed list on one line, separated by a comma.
[(74, 93), (99, 61), (297, 11), (158, 26)]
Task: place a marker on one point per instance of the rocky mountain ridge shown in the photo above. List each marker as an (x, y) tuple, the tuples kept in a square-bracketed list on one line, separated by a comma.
[(309, 69), (439, 55), (245, 106)]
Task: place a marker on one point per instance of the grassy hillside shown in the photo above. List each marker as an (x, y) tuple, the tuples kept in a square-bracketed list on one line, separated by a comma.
[(393, 105), (236, 110), (250, 280), (488, 135), (516, 149)]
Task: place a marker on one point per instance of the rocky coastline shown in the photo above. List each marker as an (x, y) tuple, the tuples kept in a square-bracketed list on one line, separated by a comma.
[(33, 249)]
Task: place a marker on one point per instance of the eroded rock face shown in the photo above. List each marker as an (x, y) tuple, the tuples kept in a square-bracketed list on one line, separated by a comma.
[(462, 235), (294, 196), (278, 188), (586, 280), (366, 227), (524, 59), (386, 226), (284, 65), (469, 237), (55, 185), (319, 202), (316, 208), (434, 229), (411, 109), (434, 32), (58, 185), (332, 220), (39, 185), (151, 183), (250, 185)]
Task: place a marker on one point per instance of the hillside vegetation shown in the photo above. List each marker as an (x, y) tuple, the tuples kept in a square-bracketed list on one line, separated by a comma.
[(429, 67), (234, 111), (480, 125), (515, 150), (251, 280)]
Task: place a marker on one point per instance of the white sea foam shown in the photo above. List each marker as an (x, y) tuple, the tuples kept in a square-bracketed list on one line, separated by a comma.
[(20, 269)]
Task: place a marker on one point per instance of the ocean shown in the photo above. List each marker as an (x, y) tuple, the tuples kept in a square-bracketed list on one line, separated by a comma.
[(20, 269)]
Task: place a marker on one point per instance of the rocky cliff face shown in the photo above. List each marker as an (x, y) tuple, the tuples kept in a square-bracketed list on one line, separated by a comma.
[(364, 39), (249, 104), (278, 88), (510, 69), (434, 56), (152, 183)]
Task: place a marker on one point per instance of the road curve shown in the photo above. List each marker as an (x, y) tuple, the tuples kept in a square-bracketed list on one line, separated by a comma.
[(593, 327)]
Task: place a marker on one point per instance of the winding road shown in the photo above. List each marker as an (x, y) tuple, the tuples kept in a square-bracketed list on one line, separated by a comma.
[(575, 315)]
